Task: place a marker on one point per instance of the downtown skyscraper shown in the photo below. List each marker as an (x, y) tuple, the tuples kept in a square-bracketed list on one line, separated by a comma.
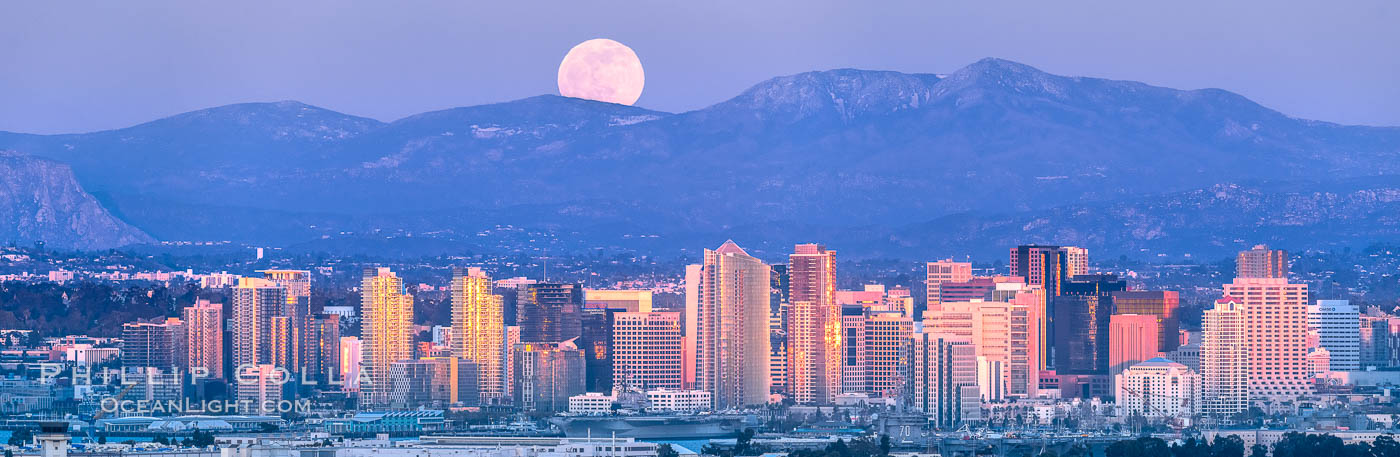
[(478, 329), (386, 332), (293, 329), (257, 306), (1262, 262), (727, 310), (204, 328), (1275, 331), (814, 326), (1224, 359)]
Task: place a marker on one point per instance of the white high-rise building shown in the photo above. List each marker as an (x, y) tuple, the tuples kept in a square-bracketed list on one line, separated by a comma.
[(1224, 359), (1337, 325)]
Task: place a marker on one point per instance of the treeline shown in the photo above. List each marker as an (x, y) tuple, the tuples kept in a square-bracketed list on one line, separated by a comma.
[(1293, 444), (91, 308)]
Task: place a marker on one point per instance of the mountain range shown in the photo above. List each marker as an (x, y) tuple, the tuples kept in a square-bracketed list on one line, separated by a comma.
[(885, 163)]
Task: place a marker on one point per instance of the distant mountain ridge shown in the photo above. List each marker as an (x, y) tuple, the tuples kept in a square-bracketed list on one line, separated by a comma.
[(822, 150)]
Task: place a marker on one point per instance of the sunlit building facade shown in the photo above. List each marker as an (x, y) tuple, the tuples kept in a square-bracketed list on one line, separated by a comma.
[(204, 328), (257, 306), (814, 326), (940, 272), (728, 302), (386, 332), (1262, 262), (478, 329), (1276, 328)]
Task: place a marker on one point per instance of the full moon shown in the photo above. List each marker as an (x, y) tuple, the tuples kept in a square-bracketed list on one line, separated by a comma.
[(603, 70)]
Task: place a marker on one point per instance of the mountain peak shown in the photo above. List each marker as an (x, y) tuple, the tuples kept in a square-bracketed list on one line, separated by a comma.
[(1005, 75), (843, 94)]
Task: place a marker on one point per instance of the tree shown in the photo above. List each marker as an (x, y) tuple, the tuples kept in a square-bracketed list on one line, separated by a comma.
[(665, 450), (1227, 446), (202, 439), (1258, 450), (885, 445), (161, 440), (1385, 446), (1191, 448), (21, 437), (102, 439), (1141, 447)]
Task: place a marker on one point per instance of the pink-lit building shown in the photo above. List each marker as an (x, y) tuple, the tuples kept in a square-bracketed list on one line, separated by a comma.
[(1006, 338), (204, 327), (350, 354), (814, 326), (727, 312), (944, 271), (1132, 338), (1276, 328)]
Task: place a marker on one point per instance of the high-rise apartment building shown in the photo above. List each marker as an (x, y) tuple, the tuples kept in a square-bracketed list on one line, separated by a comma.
[(940, 272), (1262, 262), (1076, 260), (1004, 338), (886, 344), (322, 362), (1224, 359), (1337, 325), (853, 354), (777, 327), (647, 350), (386, 332), (814, 326), (204, 327), (899, 298), (942, 379), (727, 308), (547, 374), (1133, 338), (258, 388), (158, 343), (1160, 303), (965, 291), (1276, 329), (550, 312), (508, 352), (1376, 339), (1045, 266), (296, 347), (257, 305), (433, 382), (478, 330)]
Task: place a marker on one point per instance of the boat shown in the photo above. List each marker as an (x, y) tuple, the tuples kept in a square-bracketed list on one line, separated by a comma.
[(651, 427)]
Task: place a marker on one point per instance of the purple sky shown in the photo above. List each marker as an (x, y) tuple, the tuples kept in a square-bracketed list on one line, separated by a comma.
[(113, 64)]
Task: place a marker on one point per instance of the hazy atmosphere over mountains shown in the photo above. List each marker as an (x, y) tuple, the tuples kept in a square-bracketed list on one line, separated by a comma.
[(994, 154)]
